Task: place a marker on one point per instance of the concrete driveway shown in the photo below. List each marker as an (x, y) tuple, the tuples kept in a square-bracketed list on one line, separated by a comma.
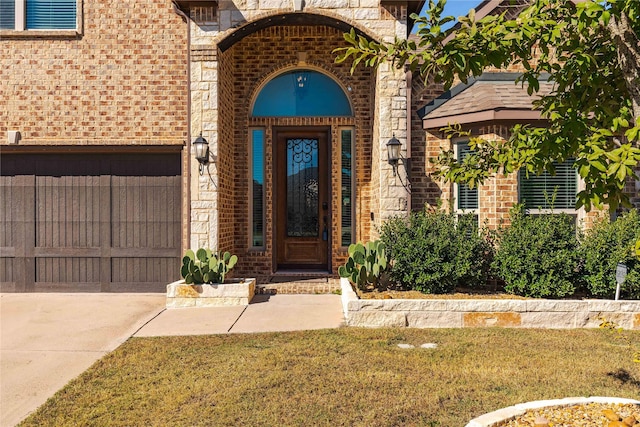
[(46, 340)]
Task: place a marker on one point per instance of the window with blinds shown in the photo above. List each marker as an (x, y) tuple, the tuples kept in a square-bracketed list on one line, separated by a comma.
[(256, 189), (466, 197), (548, 191), (7, 14), (346, 200), (51, 14)]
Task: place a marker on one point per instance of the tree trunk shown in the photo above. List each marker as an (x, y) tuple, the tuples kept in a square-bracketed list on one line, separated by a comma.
[(628, 57)]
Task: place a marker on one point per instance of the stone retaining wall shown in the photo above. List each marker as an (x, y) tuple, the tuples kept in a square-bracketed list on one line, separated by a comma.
[(457, 313)]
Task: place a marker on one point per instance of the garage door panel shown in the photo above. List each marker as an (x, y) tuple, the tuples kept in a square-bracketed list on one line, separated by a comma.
[(6, 269), (6, 214), (67, 287), (144, 214), (85, 222), (138, 270), (67, 212), (7, 224), (68, 270)]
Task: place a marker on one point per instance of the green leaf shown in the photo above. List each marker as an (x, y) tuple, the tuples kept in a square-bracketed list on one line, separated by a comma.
[(201, 254), (232, 261), (342, 271)]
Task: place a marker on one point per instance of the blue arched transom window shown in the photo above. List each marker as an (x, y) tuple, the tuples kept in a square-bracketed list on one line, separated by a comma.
[(301, 93)]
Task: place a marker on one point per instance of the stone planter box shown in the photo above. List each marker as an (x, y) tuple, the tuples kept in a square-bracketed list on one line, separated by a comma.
[(512, 412), (232, 292), (461, 313)]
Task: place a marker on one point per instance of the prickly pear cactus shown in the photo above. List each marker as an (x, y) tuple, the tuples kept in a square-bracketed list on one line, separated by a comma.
[(366, 264), (205, 266)]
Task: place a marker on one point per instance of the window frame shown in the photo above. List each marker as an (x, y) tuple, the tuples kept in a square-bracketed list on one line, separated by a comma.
[(250, 140), (457, 142), (20, 24)]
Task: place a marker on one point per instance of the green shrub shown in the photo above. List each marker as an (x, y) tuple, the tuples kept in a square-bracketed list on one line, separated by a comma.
[(433, 252), (366, 263), (537, 255), (604, 246)]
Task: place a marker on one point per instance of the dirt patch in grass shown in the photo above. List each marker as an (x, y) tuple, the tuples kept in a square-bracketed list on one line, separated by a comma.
[(345, 376)]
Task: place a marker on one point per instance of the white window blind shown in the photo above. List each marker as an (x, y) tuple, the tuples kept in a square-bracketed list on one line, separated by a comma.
[(51, 14), (347, 196), (548, 191), (467, 197), (7, 14), (257, 188)]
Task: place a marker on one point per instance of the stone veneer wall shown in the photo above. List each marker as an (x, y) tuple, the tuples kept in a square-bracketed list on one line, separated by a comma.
[(204, 218)]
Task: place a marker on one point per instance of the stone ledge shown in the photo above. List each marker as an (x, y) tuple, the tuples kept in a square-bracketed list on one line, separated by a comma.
[(444, 313), (234, 292)]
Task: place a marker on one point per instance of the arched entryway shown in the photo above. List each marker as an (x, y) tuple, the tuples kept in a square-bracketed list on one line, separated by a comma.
[(302, 213), (292, 128)]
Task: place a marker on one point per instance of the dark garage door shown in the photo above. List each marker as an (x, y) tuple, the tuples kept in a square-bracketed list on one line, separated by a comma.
[(89, 222)]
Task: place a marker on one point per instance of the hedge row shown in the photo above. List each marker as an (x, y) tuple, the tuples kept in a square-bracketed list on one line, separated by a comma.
[(539, 256)]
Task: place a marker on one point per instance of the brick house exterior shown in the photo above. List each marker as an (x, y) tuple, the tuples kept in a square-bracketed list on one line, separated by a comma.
[(104, 178), (102, 111), (248, 45)]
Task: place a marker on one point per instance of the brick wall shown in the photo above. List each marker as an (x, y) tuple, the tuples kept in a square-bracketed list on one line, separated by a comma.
[(124, 81), (230, 156), (496, 196), (425, 190)]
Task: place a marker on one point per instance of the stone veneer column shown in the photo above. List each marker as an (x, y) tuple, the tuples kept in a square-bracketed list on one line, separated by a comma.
[(204, 118), (391, 114)]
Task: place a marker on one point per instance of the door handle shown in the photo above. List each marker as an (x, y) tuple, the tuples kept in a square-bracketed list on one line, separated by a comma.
[(325, 231), (325, 206)]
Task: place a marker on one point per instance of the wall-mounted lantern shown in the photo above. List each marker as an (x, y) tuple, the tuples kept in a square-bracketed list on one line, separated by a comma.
[(395, 158), (393, 153), (202, 152)]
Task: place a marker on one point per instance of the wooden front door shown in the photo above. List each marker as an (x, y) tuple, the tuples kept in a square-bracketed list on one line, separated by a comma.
[(302, 199)]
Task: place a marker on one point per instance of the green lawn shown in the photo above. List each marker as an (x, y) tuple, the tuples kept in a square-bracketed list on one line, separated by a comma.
[(345, 377)]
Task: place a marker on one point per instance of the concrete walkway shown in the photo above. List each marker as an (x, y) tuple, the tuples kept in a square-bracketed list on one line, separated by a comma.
[(46, 340), (266, 313)]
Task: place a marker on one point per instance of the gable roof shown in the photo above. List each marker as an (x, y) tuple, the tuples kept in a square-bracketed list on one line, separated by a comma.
[(489, 97)]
